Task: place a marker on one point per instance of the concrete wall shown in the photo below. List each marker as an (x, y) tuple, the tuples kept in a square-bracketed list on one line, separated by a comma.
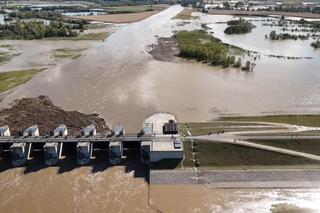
[(159, 155)]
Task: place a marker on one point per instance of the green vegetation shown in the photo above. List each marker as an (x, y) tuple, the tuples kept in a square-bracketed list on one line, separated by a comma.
[(85, 36), (9, 80), (204, 47), (35, 30), (316, 44), (284, 36), (66, 53), (306, 120), (210, 154), (4, 56), (307, 146), (238, 27)]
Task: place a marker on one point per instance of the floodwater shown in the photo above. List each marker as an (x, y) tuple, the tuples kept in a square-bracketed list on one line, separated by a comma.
[(119, 80), (202, 198)]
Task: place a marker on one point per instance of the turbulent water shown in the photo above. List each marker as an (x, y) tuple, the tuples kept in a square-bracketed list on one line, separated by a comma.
[(118, 79)]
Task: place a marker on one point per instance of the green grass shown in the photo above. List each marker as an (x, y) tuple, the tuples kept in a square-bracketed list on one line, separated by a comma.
[(306, 120), (85, 36), (203, 128), (220, 155), (308, 146), (9, 80), (4, 56), (63, 53)]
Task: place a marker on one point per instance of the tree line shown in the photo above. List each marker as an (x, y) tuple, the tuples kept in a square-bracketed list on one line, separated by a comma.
[(35, 30)]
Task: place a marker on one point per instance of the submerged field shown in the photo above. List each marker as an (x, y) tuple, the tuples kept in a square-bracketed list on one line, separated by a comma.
[(9, 80)]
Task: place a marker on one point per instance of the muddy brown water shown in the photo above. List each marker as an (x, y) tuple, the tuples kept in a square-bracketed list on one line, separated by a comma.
[(119, 80)]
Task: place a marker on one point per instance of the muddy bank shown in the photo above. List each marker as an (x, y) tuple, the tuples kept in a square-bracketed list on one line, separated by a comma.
[(42, 112), (165, 50)]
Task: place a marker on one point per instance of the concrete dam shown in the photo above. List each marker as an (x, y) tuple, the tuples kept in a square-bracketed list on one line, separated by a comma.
[(158, 140)]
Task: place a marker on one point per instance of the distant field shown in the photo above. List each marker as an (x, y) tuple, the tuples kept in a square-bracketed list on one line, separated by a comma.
[(9, 80), (308, 146), (306, 120), (263, 13), (130, 9), (185, 14), (118, 18), (229, 155)]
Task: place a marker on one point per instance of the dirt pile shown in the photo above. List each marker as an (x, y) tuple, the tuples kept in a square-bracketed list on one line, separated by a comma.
[(165, 50), (41, 111)]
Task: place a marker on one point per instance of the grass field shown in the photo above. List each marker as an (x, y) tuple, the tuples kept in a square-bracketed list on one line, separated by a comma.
[(185, 14), (306, 120), (9, 80), (63, 53), (308, 146), (203, 128), (85, 36), (228, 155)]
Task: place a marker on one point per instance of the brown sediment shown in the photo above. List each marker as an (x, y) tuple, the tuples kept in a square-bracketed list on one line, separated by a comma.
[(118, 18), (165, 50), (184, 14), (41, 111), (264, 13)]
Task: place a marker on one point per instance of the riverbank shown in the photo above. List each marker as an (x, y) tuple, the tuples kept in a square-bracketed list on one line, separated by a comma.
[(264, 13)]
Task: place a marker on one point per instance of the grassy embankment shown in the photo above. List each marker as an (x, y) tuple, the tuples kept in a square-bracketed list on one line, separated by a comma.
[(306, 120), (63, 53), (308, 146), (220, 156), (202, 46), (9, 80), (85, 36), (185, 14)]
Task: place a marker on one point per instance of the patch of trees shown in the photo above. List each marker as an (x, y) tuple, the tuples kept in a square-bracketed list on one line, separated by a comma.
[(238, 27), (316, 44), (48, 15), (35, 30), (201, 46), (294, 9), (284, 36)]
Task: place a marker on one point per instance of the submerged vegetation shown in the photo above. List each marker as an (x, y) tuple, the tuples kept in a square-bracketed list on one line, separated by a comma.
[(64, 53), (9, 80), (316, 44), (284, 36), (202, 46), (240, 26)]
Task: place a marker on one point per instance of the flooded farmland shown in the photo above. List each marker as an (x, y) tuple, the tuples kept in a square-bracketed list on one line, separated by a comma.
[(118, 79)]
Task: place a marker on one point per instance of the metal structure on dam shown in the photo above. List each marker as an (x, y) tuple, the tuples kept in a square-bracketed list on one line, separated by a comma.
[(159, 139)]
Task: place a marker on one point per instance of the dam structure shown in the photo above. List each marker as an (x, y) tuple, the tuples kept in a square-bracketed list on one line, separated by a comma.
[(158, 140)]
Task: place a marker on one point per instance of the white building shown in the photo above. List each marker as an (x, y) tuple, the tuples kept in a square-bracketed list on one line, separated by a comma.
[(163, 145)]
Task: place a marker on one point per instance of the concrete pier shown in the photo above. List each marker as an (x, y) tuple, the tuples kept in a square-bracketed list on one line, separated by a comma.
[(115, 152)]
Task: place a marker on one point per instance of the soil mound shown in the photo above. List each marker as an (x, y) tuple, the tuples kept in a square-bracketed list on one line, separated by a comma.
[(41, 111)]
